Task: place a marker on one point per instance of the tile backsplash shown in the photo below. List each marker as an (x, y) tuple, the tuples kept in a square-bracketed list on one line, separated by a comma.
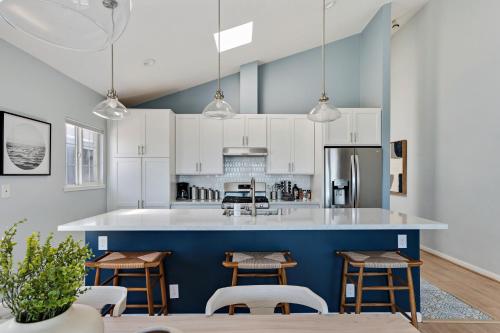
[(242, 169)]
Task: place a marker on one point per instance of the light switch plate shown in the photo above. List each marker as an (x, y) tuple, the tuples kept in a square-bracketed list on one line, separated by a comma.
[(173, 291), (402, 242), (5, 191), (349, 290), (103, 243)]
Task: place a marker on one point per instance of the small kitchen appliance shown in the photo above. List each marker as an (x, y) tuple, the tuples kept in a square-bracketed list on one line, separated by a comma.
[(182, 191)]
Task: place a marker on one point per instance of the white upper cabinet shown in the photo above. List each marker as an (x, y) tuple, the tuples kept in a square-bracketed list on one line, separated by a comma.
[(211, 142), (144, 132), (245, 131), (187, 144), (303, 146), (199, 144), (279, 145), (355, 127), (290, 145)]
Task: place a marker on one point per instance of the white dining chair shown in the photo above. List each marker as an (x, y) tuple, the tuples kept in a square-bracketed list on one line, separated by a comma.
[(100, 296), (263, 299)]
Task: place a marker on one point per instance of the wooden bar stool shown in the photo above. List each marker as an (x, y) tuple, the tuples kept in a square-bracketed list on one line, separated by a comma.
[(154, 272), (275, 262), (388, 260)]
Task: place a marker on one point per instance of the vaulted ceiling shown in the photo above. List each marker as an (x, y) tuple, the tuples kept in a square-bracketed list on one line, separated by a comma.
[(178, 34)]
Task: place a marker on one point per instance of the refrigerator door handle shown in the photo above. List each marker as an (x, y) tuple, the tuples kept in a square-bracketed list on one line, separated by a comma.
[(353, 182), (358, 181)]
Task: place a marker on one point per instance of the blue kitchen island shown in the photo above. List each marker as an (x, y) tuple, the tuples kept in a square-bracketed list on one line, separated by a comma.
[(199, 238)]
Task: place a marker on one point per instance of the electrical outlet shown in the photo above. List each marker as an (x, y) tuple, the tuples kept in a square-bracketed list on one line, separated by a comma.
[(349, 290), (402, 242), (173, 291), (103, 243), (5, 191)]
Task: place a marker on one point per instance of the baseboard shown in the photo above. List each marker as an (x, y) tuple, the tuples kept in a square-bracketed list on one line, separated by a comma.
[(462, 263)]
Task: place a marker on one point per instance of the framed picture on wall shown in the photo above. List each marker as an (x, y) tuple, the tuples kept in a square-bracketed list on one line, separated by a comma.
[(398, 165), (25, 146)]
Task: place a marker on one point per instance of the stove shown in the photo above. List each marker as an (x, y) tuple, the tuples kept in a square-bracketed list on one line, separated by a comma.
[(240, 193)]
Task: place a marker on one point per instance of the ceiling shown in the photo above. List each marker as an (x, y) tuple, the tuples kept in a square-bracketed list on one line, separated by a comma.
[(178, 34)]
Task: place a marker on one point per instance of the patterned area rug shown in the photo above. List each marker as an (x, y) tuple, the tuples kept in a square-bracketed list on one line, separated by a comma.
[(437, 304)]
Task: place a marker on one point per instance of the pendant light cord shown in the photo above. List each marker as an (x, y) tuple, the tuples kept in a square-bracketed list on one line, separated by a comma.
[(218, 37), (112, 68), (323, 48)]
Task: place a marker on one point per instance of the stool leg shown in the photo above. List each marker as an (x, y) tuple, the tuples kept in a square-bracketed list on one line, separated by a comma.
[(286, 307), (390, 283), (234, 282), (116, 278), (343, 286), (163, 286), (411, 290), (149, 292), (97, 280), (359, 291)]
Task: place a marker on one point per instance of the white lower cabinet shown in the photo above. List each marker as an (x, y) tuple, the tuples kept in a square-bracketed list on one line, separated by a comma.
[(290, 145), (140, 183)]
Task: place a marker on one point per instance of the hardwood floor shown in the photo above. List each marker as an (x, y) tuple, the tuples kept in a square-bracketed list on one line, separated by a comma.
[(474, 289)]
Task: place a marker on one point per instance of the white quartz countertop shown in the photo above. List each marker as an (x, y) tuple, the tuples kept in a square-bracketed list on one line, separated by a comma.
[(213, 220)]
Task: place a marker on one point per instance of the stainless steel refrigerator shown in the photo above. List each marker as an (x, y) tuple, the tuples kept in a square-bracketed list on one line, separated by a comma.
[(353, 177)]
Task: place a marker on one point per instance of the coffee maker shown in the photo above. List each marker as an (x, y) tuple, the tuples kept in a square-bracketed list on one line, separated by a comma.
[(182, 191)]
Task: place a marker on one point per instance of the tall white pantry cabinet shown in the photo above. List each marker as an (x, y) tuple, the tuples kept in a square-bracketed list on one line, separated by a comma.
[(141, 151)]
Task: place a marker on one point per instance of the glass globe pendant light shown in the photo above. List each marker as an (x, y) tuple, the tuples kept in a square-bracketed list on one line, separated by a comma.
[(218, 108), (323, 111), (73, 24), (111, 108)]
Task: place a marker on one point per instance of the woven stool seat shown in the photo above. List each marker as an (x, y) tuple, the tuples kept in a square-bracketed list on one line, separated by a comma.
[(377, 259), (259, 260), (128, 260)]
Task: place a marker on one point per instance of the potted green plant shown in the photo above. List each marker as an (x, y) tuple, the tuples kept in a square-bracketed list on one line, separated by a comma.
[(41, 290)]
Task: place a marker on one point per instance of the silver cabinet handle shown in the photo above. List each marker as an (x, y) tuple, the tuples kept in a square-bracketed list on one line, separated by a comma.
[(289, 167), (246, 140), (138, 206), (293, 166), (200, 166), (142, 203), (143, 149)]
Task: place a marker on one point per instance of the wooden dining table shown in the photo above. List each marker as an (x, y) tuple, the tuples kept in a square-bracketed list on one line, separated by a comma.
[(303, 323)]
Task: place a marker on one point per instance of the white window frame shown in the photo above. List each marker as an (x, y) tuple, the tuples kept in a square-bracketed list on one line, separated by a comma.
[(80, 185)]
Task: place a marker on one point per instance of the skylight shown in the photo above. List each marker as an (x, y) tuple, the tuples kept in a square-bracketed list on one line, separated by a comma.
[(234, 37)]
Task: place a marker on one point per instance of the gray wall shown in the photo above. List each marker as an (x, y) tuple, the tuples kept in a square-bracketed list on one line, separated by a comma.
[(375, 51), (287, 85), (29, 87), (195, 99), (445, 101)]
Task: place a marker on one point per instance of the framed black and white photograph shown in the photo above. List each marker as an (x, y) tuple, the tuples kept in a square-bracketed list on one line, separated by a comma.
[(26, 146)]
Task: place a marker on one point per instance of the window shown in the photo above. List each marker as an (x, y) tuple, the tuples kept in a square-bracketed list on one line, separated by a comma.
[(84, 157)]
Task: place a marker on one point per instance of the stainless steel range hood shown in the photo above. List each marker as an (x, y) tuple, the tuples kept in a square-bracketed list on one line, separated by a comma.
[(245, 151)]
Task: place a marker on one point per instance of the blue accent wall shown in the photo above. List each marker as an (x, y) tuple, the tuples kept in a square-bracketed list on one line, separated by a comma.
[(287, 85), (196, 263), (375, 85)]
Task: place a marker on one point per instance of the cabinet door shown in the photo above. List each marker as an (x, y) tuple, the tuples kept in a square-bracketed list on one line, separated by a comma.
[(339, 132), (256, 131), (367, 124), (279, 145), (187, 144), (157, 133), (126, 185), (155, 183), (211, 145), (303, 146), (234, 132), (128, 135)]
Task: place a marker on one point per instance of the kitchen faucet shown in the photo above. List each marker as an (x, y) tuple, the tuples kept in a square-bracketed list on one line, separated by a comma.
[(252, 189)]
